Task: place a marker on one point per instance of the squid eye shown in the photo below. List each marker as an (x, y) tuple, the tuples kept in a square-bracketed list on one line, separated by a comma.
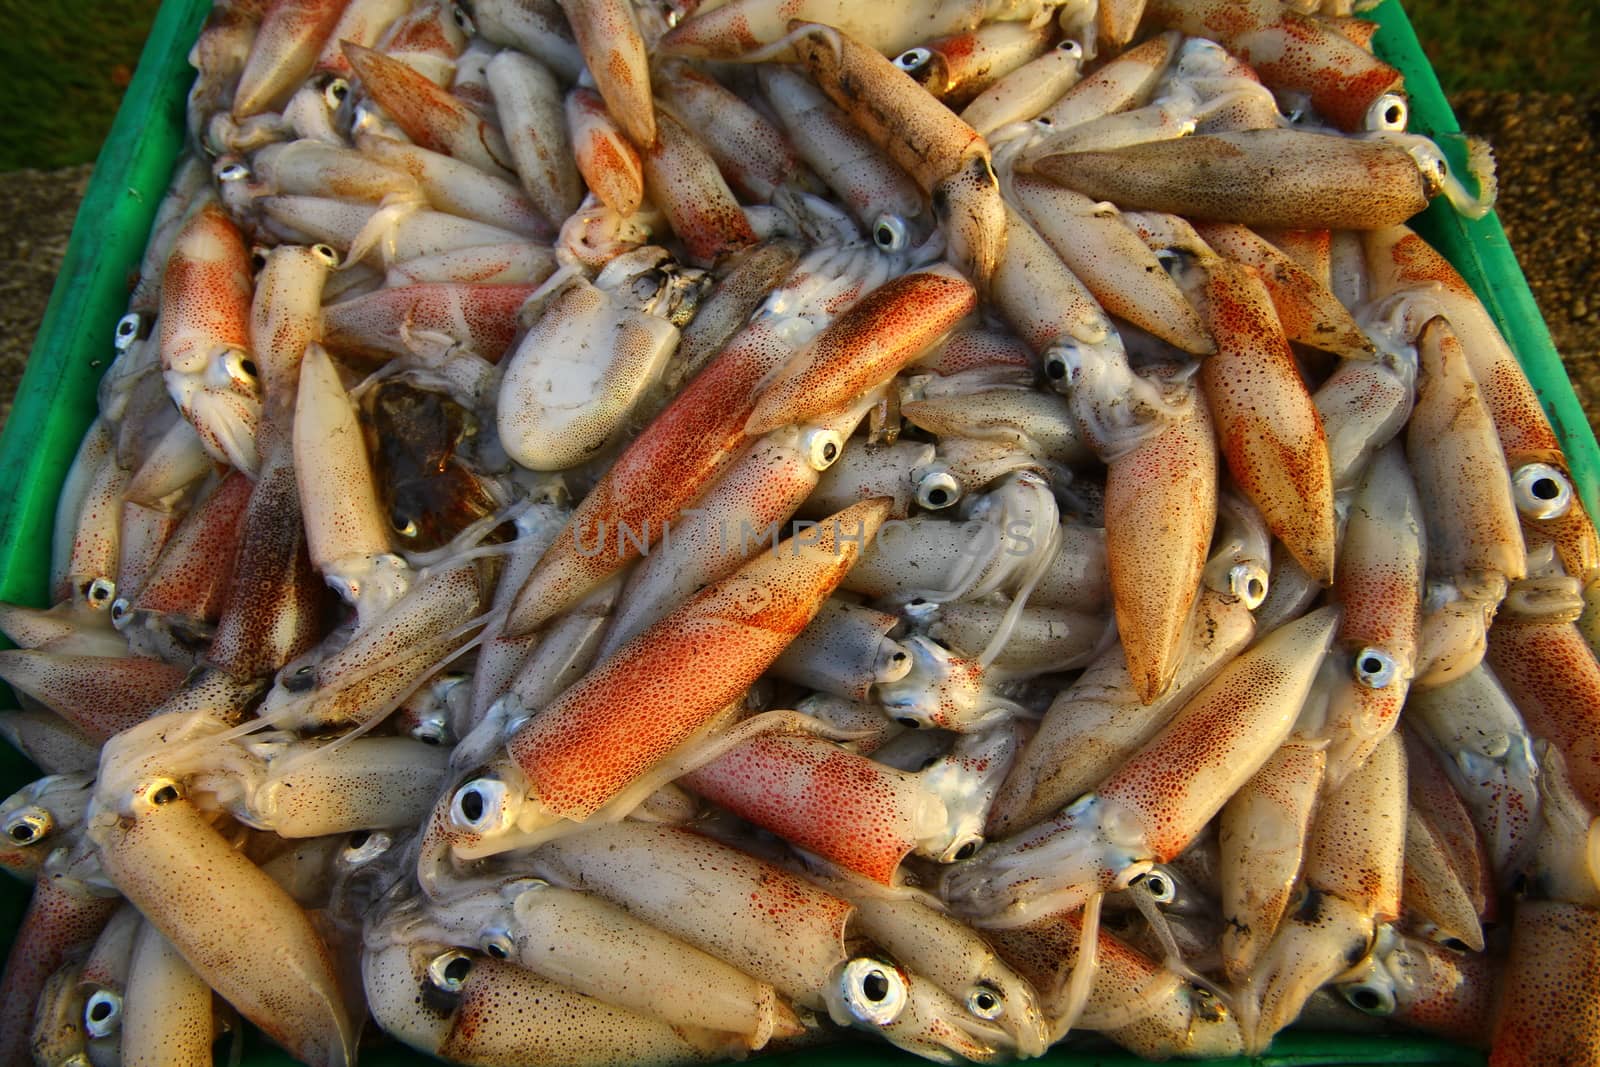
[(462, 19), (129, 329), (913, 60), (363, 847), (240, 368), (646, 284), (985, 1003), (258, 259), (873, 992), (1157, 886), (496, 943), (101, 592), (480, 805), (1374, 668), (1056, 367), (1389, 112), (327, 254), (448, 970), (937, 489), (1431, 162), (233, 172), (335, 92), (893, 664), (1372, 999), (403, 526), (431, 730), (161, 792), (967, 848), (102, 1013), (1541, 491), (890, 233), (1248, 582), (29, 826), (821, 448), (909, 723), (299, 680), (120, 610), (1207, 1006), (1071, 48)]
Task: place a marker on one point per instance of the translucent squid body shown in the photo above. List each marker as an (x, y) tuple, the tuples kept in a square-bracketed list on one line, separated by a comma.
[(1153, 805), (205, 342), (808, 943), (575, 377), (732, 29), (676, 458), (347, 532), (945, 155), (606, 743), (855, 811)]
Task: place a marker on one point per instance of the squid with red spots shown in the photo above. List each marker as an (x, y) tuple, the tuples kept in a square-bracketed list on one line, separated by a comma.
[(1352, 878), (1425, 286), (205, 342), (946, 156), (654, 708), (728, 30), (692, 441), (1151, 807), (1293, 53), (1549, 1008)]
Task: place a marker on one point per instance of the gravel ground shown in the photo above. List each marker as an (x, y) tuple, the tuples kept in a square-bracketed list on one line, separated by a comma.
[(1548, 146), (36, 212)]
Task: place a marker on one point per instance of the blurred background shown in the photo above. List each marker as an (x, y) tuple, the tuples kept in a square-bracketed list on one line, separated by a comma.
[(1518, 72)]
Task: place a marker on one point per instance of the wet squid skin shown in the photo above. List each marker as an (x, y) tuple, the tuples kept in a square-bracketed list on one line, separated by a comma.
[(566, 516)]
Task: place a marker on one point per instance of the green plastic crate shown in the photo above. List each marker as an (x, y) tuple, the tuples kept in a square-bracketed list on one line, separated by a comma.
[(56, 403)]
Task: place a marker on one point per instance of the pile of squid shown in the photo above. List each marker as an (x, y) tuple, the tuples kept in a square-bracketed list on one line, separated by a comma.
[(633, 534)]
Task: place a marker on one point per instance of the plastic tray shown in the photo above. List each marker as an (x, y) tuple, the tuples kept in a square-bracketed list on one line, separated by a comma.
[(56, 402)]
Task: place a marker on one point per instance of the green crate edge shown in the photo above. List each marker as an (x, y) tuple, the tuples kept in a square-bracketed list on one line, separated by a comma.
[(56, 402)]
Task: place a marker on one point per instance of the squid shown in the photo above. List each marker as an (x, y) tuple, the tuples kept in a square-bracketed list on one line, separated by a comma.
[(608, 35), (1289, 178), (882, 197), (1425, 287), (689, 443), (243, 934), (1104, 839), (286, 46), (1549, 997), (429, 115), (1353, 862), (206, 358), (801, 948), (563, 397), (960, 67), (948, 158), (1293, 53), (727, 31), (551, 781)]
